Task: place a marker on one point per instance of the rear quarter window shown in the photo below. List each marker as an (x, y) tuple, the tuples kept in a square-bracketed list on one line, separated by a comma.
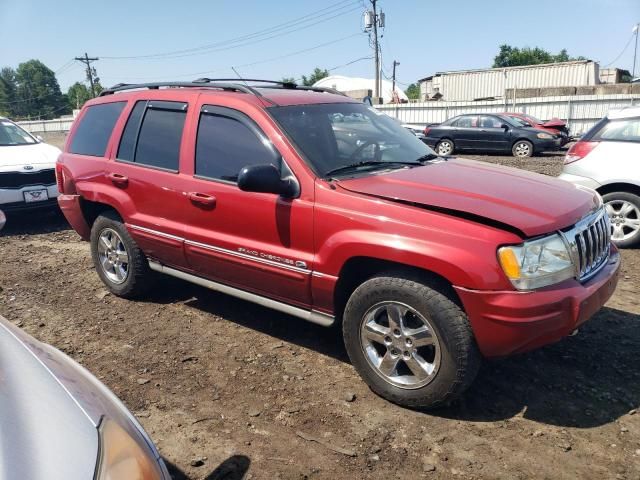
[(619, 130), (95, 128)]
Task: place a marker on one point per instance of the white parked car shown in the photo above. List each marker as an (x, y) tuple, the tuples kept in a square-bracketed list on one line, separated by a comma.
[(607, 159), (27, 170)]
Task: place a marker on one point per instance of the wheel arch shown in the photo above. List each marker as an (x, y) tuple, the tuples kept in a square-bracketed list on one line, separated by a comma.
[(91, 210), (619, 187)]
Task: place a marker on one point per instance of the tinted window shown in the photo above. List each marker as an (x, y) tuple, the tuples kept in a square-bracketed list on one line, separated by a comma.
[(93, 132), (466, 122), (226, 145), (160, 136), (130, 134), (624, 130)]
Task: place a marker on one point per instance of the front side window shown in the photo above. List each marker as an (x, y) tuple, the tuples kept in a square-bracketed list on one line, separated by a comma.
[(343, 137), (228, 142), (623, 130), (490, 122), (95, 128), (153, 134), (11, 134)]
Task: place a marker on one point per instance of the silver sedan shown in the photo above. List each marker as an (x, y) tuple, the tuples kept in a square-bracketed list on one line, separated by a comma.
[(57, 421)]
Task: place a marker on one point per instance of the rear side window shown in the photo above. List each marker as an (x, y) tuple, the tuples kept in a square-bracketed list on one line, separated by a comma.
[(95, 128), (466, 122), (623, 130), (226, 144), (153, 134)]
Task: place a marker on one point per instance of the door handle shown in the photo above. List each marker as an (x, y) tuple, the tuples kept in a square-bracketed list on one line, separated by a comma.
[(202, 199), (119, 180)]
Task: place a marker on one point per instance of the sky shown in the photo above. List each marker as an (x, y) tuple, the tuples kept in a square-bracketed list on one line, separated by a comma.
[(286, 38)]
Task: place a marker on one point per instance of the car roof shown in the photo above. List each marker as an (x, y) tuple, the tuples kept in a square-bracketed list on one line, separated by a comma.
[(262, 97), (626, 112)]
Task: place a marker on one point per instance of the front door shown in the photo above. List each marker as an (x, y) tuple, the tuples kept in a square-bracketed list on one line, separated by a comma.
[(254, 241), (491, 134)]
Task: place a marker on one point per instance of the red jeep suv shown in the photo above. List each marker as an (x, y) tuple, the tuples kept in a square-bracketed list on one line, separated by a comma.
[(308, 202)]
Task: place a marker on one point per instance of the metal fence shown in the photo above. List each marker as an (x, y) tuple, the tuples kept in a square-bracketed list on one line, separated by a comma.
[(580, 111), (45, 126)]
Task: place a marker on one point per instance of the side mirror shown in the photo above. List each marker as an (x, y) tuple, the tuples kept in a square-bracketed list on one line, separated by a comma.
[(505, 126), (266, 179), (39, 138)]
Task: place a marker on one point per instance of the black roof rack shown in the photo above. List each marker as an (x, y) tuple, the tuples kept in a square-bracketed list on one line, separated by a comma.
[(228, 84)]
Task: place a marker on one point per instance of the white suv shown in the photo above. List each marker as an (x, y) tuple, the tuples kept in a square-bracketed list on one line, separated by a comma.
[(27, 170), (607, 159)]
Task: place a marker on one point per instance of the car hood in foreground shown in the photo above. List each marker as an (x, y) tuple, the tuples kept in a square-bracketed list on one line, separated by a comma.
[(36, 154), (43, 431), (530, 203)]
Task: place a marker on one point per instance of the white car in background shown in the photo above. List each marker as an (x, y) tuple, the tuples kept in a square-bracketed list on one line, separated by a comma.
[(607, 159), (27, 170)]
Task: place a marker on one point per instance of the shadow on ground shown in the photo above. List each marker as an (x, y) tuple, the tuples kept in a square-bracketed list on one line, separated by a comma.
[(34, 223), (233, 468), (583, 381)]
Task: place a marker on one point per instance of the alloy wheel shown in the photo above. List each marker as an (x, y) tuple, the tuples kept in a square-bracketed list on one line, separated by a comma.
[(400, 344), (522, 149), (445, 147), (625, 219), (113, 256)]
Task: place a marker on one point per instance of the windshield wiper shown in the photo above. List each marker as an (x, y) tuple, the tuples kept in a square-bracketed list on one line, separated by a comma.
[(368, 163), (427, 157)]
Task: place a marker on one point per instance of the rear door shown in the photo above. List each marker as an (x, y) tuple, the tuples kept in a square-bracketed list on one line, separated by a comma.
[(254, 241), (145, 168), (465, 131)]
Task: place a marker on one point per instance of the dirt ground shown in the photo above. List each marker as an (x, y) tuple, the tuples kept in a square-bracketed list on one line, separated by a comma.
[(226, 388)]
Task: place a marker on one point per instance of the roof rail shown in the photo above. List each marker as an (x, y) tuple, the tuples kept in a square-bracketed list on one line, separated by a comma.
[(156, 85), (228, 84)]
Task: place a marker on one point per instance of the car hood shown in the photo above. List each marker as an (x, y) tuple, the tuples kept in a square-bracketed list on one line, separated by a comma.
[(36, 155), (43, 431), (554, 122), (530, 203)]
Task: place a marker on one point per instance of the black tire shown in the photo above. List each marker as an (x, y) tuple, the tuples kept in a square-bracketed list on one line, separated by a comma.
[(139, 277), (615, 199), (444, 142), (459, 356), (522, 149)]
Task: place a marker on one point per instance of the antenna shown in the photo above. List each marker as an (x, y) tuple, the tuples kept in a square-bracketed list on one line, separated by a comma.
[(247, 85)]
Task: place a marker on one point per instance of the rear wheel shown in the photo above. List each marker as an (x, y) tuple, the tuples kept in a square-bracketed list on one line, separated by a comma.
[(445, 147), (409, 342), (120, 263), (522, 149), (624, 213)]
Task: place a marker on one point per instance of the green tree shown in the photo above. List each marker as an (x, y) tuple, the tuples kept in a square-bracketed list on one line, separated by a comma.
[(288, 80), (7, 91), (318, 74), (77, 95), (38, 93), (413, 92), (509, 56)]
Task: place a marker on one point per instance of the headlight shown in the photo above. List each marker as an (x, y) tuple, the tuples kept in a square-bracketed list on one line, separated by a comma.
[(537, 263), (544, 136), (122, 457)]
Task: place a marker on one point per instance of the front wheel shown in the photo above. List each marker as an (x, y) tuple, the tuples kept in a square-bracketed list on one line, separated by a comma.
[(522, 149), (623, 209), (409, 342)]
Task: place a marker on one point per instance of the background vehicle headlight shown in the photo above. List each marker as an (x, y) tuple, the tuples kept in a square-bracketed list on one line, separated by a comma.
[(122, 457), (537, 263), (544, 136)]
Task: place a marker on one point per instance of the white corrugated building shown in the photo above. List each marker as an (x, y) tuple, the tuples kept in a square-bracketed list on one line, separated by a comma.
[(492, 82), (355, 84)]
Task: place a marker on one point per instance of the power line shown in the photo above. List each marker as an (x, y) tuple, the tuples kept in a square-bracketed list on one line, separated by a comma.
[(280, 57), (622, 52), (91, 72), (255, 37)]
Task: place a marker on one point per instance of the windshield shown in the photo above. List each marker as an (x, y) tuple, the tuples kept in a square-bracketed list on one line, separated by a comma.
[(516, 121), (11, 134), (333, 136), (533, 120)]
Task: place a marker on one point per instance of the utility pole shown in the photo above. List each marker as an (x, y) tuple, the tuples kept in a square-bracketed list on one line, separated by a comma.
[(635, 51), (373, 21), (393, 89), (91, 72)]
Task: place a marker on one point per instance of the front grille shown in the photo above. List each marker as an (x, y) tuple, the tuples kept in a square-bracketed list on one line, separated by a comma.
[(589, 244), (27, 179)]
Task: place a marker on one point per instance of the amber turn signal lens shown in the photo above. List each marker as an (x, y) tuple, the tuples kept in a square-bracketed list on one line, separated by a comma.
[(121, 457), (509, 262)]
